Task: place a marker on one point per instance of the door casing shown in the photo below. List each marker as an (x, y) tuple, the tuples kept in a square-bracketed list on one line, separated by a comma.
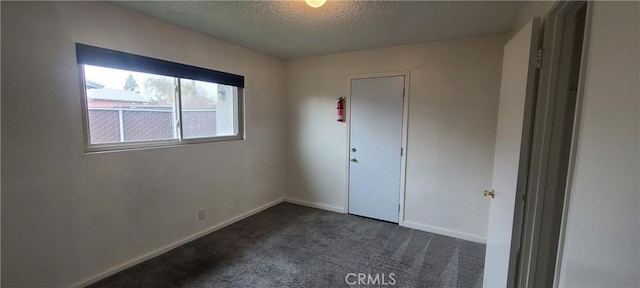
[(526, 270), (405, 122)]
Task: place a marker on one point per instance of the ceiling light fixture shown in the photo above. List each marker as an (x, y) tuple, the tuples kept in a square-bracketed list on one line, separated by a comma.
[(315, 3)]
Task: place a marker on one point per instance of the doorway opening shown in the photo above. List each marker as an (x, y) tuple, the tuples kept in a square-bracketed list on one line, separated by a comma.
[(534, 258)]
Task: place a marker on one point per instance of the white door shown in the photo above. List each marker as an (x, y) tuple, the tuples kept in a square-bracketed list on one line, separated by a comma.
[(376, 142), (518, 75)]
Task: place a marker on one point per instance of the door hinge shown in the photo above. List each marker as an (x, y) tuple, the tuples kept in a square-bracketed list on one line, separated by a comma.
[(403, 92), (398, 208), (539, 59), (401, 151)]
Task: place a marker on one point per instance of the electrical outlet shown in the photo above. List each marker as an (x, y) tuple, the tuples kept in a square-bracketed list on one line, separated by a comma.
[(202, 214)]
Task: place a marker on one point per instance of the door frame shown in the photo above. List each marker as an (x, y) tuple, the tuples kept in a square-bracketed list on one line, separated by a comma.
[(405, 129), (524, 270)]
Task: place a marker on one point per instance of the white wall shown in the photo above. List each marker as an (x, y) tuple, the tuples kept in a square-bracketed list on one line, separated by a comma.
[(602, 243), (529, 10), (454, 93), (68, 216)]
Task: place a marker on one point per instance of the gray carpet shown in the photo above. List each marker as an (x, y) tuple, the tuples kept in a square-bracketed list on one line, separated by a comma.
[(295, 246)]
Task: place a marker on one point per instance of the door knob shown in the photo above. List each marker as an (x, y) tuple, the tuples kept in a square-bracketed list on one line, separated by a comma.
[(490, 193), (353, 159)]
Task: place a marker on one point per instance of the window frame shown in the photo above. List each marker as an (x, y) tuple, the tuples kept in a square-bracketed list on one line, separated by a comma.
[(148, 144)]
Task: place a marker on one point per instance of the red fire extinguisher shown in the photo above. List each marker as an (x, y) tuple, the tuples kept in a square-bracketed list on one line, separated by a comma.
[(341, 109)]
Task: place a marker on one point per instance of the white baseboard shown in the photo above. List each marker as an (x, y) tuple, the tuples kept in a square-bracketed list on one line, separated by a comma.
[(173, 245), (445, 232), (315, 205)]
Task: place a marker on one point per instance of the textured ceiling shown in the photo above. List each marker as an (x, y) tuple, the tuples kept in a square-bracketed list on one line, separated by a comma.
[(290, 29)]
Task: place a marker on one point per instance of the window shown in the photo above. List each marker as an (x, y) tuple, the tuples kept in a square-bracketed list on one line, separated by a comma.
[(133, 101)]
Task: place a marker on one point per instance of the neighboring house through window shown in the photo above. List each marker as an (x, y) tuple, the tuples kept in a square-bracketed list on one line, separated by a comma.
[(133, 101)]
